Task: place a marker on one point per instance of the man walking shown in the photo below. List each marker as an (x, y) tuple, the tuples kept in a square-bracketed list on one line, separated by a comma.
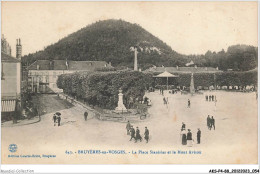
[(188, 103), (207, 97), (213, 122), (198, 136), (164, 101), (128, 127), (132, 131), (86, 115), (54, 119), (138, 136), (59, 120), (189, 138), (183, 137), (146, 134), (208, 122)]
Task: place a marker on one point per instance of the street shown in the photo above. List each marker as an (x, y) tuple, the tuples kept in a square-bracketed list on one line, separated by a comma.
[(229, 143)]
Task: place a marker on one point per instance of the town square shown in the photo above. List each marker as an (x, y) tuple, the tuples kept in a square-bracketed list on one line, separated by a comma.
[(112, 90)]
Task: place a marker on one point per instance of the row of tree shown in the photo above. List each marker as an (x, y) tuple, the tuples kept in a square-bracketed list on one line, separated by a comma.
[(242, 79), (101, 88), (237, 58)]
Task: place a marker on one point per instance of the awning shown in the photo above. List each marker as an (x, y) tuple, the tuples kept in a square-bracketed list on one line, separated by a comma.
[(8, 105), (166, 74)]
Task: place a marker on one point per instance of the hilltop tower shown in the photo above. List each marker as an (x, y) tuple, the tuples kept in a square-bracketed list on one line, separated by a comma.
[(18, 49)]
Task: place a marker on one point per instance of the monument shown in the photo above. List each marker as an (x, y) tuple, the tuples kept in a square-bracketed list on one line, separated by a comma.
[(192, 89), (135, 59), (120, 105)]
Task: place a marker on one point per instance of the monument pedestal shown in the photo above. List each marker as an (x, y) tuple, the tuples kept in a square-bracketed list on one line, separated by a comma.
[(120, 105)]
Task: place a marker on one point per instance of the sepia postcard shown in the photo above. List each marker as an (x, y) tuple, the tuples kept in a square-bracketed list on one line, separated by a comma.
[(129, 83)]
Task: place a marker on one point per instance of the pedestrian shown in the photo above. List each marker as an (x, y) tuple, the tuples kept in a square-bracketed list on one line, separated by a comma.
[(54, 119), (86, 115), (189, 138), (183, 126), (164, 101), (59, 120), (128, 128), (198, 136), (208, 122), (137, 135), (183, 137), (132, 131), (188, 103), (207, 97), (212, 97), (146, 134), (213, 122)]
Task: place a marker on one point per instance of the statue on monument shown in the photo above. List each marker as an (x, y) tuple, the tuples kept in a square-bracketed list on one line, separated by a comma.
[(120, 105)]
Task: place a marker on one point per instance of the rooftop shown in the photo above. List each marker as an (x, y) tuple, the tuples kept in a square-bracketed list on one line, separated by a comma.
[(9, 59), (183, 69), (68, 65)]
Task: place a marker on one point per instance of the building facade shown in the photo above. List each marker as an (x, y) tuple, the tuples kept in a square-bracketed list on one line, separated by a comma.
[(43, 74), (10, 86), (11, 100)]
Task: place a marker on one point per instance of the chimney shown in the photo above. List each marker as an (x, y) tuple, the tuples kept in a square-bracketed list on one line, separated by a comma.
[(18, 49), (109, 63), (38, 66), (206, 68), (135, 60), (105, 65), (195, 67), (177, 67), (217, 68)]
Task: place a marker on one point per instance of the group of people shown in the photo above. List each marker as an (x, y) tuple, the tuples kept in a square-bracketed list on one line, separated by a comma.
[(186, 138), (57, 118), (135, 134), (161, 90), (210, 98), (210, 122)]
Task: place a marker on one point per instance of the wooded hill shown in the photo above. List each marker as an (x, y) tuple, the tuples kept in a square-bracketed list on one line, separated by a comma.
[(112, 41)]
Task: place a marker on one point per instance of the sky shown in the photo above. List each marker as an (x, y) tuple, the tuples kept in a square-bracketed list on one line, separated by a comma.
[(187, 27)]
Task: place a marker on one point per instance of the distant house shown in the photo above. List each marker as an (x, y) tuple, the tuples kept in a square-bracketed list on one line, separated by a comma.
[(180, 70), (43, 74), (10, 85)]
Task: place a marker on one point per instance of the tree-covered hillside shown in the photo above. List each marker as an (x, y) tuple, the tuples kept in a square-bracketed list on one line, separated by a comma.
[(237, 58), (113, 41)]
